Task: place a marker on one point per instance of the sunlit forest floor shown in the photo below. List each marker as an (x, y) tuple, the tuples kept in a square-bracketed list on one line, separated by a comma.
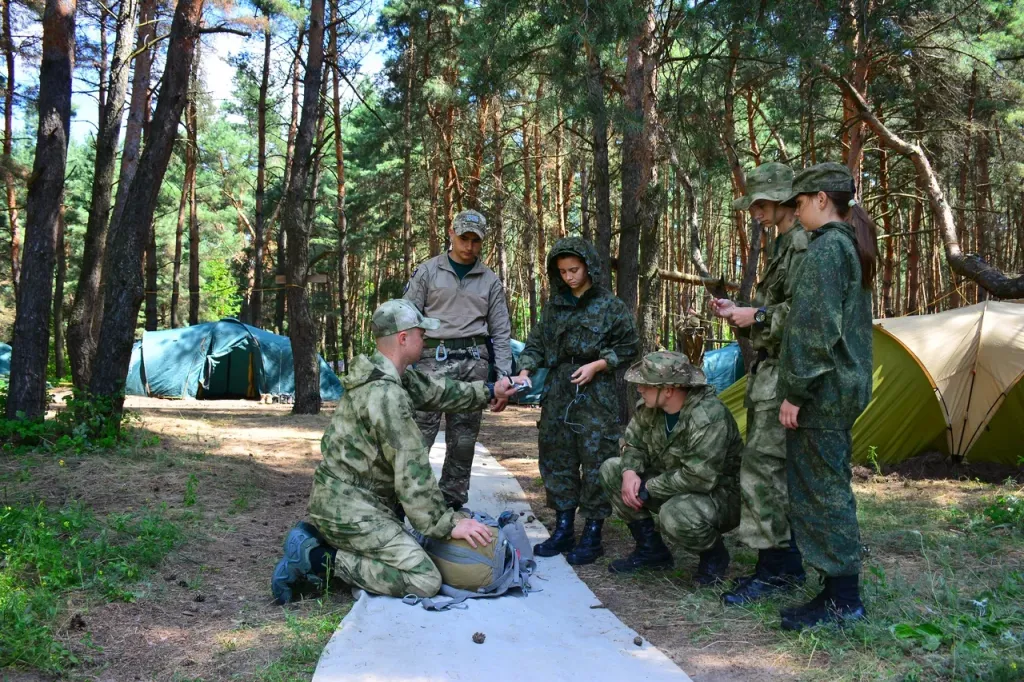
[(189, 521)]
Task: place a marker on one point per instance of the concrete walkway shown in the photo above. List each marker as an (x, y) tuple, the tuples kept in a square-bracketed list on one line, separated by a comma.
[(553, 634)]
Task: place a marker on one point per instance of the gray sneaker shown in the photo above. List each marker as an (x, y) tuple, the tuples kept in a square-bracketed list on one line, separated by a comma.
[(295, 566)]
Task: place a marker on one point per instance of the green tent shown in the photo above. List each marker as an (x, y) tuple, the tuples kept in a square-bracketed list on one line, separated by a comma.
[(5, 358), (225, 359), (949, 382)]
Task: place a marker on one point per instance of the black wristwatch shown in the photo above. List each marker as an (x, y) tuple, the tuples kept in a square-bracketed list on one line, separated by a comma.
[(642, 494), (760, 316), (490, 389)]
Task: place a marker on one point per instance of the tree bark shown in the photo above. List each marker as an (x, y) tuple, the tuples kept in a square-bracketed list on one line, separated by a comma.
[(58, 298), (183, 211), (193, 217), (281, 266), (637, 156), (341, 220), (27, 392), (407, 159), (498, 211), (256, 296), (124, 291), (301, 329), (528, 228), (602, 174), (538, 190), (83, 327), (970, 266), (12, 196)]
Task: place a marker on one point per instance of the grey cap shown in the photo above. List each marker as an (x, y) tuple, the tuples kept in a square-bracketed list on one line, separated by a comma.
[(398, 315), (470, 221), (768, 182)]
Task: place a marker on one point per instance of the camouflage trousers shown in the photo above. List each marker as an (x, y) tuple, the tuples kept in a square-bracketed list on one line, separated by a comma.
[(691, 521), (823, 510), (570, 454), (764, 522), (374, 550), (461, 428)]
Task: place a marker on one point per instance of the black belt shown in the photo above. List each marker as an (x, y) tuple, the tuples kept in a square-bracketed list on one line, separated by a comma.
[(455, 344)]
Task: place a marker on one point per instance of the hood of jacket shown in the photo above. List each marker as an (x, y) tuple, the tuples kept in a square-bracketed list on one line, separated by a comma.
[(572, 246)]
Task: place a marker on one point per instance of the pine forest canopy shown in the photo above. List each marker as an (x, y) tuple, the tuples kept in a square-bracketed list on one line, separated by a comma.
[(306, 197)]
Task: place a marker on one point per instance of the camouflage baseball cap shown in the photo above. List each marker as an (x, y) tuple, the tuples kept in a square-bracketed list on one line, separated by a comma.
[(666, 368), (770, 182), (470, 221), (822, 177), (398, 315)]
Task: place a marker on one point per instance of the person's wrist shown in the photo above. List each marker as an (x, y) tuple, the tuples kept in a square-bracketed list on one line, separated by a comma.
[(490, 389)]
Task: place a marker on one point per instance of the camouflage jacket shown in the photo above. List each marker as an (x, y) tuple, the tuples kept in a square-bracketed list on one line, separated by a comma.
[(774, 291), (572, 333), (373, 448), (701, 455), (825, 364)]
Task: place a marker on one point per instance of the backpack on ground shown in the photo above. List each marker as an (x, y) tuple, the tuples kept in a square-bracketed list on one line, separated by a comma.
[(486, 571)]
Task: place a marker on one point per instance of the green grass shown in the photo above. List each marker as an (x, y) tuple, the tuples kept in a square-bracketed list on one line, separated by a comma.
[(47, 556), (305, 640)]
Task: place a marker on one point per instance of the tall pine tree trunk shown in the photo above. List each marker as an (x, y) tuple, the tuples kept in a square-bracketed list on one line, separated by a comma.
[(301, 329), (192, 126), (58, 297), (124, 290), (341, 220), (27, 393), (527, 236), (498, 211), (256, 296), (602, 174), (12, 195), (83, 326)]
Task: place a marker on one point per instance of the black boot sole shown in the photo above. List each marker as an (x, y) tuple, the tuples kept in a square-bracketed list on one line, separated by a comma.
[(818, 617), (540, 550), (589, 558), (665, 565)]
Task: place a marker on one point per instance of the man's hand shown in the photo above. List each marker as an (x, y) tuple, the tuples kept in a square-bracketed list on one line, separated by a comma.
[(503, 389), (498, 404), (585, 374), (788, 414), (742, 317), (473, 532), (630, 488), (722, 307)]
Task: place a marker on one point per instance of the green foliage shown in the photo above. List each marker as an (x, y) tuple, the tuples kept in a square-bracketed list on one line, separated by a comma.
[(189, 500), (304, 642), (1007, 511), (48, 555), (873, 458), (86, 423)]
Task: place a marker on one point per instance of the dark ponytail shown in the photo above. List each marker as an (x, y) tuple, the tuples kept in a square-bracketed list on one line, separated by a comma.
[(864, 232)]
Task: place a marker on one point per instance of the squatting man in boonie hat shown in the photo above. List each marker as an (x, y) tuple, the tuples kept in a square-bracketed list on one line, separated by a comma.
[(374, 461), (468, 300), (679, 469)]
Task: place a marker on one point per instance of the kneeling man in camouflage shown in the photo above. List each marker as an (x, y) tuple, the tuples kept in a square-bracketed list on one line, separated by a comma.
[(376, 469), (679, 469)]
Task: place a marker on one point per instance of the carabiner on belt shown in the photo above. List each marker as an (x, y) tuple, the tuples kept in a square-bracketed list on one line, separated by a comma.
[(475, 352), (441, 354)]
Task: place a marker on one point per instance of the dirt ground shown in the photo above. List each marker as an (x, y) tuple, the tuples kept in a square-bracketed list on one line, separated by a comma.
[(208, 614)]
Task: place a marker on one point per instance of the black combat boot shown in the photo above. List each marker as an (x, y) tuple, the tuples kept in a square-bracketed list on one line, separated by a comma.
[(589, 546), (650, 551), (777, 570), (838, 603), (713, 565), (563, 539)]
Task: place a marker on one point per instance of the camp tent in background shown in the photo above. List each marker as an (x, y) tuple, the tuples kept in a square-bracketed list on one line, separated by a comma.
[(722, 367), (949, 382), (5, 358), (225, 359)]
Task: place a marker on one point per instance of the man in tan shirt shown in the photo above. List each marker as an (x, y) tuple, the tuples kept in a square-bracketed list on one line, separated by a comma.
[(469, 300)]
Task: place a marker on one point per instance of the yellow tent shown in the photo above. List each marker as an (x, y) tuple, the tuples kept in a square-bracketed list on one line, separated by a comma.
[(949, 382)]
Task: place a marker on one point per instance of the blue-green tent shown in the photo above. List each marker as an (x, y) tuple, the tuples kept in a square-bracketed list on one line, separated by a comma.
[(537, 378), (225, 359), (724, 366), (5, 358)]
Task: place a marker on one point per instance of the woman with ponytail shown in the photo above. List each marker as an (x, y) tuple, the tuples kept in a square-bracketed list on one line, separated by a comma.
[(825, 380)]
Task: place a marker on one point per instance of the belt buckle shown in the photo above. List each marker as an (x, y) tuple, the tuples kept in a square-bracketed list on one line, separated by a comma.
[(441, 354)]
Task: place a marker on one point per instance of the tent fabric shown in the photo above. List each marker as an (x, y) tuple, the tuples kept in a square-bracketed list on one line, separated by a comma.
[(536, 392), (5, 359), (949, 382), (724, 366), (218, 359)]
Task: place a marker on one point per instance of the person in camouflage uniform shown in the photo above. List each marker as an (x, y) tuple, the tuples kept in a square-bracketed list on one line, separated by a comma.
[(825, 371), (469, 300), (679, 469), (584, 333), (764, 523), (374, 462)]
